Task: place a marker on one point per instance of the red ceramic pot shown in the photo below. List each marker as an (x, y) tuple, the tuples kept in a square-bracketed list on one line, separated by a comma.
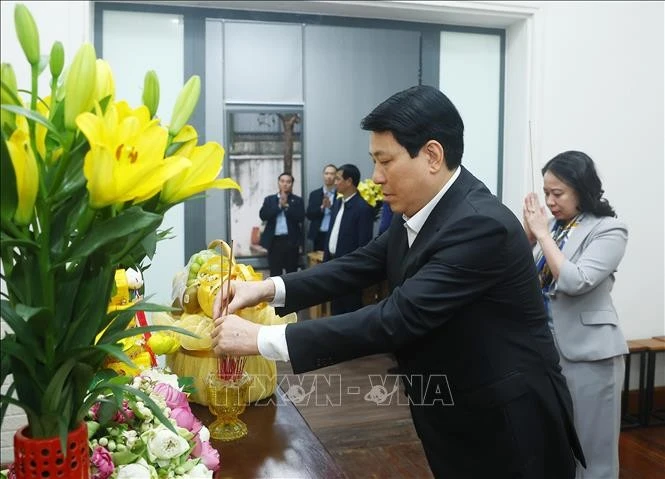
[(42, 458)]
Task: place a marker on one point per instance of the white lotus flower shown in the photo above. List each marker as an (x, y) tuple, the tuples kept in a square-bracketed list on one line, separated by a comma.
[(204, 434), (200, 471), (163, 444), (138, 470), (130, 437), (162, 377)]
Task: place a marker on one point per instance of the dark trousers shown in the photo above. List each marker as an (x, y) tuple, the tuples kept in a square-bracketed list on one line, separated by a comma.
[(320, 241), (282, 256)]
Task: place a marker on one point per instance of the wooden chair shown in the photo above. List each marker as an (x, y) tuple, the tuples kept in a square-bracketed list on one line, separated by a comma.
[(629, 420), (652, 416)]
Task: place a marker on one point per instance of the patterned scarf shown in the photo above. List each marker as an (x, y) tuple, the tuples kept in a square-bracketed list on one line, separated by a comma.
[(560, 233)]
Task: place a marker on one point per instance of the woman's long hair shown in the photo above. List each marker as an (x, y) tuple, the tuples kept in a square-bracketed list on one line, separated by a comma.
[(577, 170)]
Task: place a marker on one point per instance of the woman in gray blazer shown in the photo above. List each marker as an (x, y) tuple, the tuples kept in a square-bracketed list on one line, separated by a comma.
[(577, 253)]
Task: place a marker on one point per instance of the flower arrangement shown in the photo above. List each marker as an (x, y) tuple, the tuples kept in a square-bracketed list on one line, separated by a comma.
[(131, 443), (372, 194), (86, 181)]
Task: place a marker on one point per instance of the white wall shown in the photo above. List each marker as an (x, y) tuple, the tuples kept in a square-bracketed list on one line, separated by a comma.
[(71, 23), (602, 93)]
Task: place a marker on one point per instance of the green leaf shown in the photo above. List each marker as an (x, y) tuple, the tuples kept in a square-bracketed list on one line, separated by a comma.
[(9, 92), (34, 116), (5, 405), (117, 352), (21, 354), (52, 396), (20, 242), (8, 192), (113, 231), (7, 399), (124, 457), (28, 324)]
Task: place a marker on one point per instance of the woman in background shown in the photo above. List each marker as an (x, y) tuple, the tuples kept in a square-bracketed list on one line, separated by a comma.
[(577, 253)]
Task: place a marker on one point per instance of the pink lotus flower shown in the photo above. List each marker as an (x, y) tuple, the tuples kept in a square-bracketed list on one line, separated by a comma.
[(103, 463), (209, 456), (185, 418), (174, 398)]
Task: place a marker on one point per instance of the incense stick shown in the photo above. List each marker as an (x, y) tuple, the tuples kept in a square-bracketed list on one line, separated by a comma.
[(229, 367)]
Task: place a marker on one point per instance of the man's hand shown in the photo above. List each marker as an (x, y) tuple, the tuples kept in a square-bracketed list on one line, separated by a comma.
[(326, 202), (283, 200), (234, 335), (243, 294)]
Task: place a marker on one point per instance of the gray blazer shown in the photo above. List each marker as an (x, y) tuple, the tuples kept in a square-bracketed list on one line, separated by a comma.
[(586, 323)]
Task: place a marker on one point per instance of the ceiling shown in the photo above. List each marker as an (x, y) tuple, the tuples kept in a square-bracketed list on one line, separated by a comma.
[(480, 14)]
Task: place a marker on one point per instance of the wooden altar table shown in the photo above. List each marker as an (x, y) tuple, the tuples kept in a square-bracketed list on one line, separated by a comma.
[(279, 444)]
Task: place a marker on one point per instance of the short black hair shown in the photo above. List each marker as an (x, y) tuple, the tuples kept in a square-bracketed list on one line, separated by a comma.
[(329, 165), (418, 115), (350, 171), (577, 170), (286, 173)]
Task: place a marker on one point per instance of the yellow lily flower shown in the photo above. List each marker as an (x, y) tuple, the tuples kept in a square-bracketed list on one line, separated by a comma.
[(27, 175), (207, 162), (126, 158), (188, 136)]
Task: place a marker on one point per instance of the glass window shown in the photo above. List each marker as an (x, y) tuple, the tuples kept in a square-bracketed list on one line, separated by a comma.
[(262, 144), (263, 63)]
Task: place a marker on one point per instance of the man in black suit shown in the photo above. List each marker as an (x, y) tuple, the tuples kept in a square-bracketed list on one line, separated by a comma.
[(465, 317), (319, 208), (284, 214), (352, 227)]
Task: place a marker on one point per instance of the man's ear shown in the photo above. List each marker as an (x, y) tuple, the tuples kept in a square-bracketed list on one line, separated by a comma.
[(435, 154)]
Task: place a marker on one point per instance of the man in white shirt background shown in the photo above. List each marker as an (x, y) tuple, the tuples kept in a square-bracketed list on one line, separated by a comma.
[(352, 227)]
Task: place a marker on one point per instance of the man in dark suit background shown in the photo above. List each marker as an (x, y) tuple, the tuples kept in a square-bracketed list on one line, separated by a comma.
[(284, 214), (352, 227), (465, 318), (319, 208)]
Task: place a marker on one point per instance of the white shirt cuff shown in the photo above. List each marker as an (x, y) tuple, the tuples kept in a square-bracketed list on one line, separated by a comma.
[(271, 342), (280, 292)]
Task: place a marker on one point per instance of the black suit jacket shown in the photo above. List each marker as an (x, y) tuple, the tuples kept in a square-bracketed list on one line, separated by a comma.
[(314, 213), (295, 215), (466, 322), (355, 229)]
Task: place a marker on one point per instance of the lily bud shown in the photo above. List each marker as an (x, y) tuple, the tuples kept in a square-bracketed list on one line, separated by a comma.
[(57, 59), (151, 92), (26, 173), (105, 85), (80, 84), (185, 104), (9, 79), (27, 33)]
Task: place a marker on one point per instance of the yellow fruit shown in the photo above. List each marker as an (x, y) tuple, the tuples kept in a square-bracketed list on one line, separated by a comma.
[(207, 291)]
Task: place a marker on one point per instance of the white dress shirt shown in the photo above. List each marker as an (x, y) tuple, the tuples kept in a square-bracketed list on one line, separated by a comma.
[(334, 233), (271, 340)]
